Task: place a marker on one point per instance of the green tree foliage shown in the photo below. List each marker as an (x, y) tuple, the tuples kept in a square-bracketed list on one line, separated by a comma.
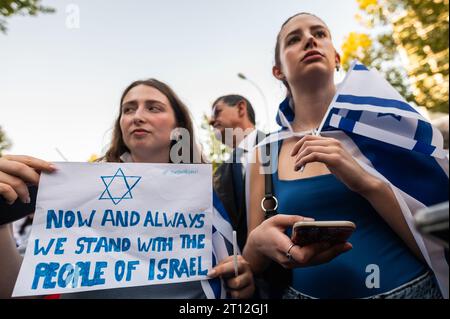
[(4, 141), (407, 40), (9, 8)]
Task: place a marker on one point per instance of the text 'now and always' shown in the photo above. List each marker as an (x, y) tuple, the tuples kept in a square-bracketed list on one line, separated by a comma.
[(116, 218)]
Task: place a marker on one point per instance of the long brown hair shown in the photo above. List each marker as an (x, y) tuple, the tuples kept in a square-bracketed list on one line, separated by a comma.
[(182, 118)]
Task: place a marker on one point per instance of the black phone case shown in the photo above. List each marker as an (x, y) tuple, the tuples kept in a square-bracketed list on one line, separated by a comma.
[(309, 235), (18, 210)]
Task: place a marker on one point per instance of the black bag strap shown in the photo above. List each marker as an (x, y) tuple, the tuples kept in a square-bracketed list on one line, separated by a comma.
[(269, 198), (275, 278)]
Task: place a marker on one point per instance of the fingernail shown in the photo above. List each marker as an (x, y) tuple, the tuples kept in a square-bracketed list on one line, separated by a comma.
[(53, 167), (27, 200), (10, 202), (211, 273), (308, 219)]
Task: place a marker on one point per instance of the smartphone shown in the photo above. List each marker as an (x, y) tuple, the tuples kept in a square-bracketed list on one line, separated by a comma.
[(334, 232)]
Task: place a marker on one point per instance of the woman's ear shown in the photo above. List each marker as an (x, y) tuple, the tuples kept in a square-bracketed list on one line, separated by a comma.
[(338, 59), (276, 71)]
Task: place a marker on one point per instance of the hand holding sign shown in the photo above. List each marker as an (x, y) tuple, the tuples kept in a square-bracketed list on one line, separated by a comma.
[(102, 226)]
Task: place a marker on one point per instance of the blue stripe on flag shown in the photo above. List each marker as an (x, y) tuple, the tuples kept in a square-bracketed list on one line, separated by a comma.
[(216, 287), (354, 115), (347, 124), (424, 148), (360, 67), (219, 206), (417, 174), (375, 101), (326, 125), (215, 283), (214, 260), (424, 132)]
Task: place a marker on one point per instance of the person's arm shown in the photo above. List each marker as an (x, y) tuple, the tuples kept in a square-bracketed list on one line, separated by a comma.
[(19, 177), (383, 200), (267, 240), (15, 173), (10, 261), (340, 163)]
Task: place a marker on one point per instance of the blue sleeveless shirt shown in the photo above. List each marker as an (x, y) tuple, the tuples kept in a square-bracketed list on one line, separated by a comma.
[(375, 245)]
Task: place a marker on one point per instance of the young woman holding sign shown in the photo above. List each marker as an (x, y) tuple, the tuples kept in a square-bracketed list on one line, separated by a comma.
[(149, 112), (318, 177)]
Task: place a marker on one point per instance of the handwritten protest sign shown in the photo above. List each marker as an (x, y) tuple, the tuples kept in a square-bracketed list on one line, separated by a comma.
[(111, 225)]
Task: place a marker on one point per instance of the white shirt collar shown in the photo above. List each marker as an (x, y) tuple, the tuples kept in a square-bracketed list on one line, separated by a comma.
[(126, 158)]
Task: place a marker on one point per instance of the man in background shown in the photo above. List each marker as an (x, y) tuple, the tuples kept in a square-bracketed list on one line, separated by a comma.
[(233, 120)]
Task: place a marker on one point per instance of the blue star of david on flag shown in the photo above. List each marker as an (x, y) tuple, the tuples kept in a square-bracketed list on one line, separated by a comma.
[(118, 186)]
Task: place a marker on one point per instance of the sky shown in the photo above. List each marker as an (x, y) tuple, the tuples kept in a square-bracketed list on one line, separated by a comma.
[(62, 74)]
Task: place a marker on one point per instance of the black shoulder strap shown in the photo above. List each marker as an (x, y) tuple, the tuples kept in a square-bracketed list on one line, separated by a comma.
[(269, 203)]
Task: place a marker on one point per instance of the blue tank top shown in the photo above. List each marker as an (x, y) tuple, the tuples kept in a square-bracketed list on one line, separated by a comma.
[(324, 198)]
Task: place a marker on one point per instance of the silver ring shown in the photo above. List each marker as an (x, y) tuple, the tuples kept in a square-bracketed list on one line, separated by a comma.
[(288, 254), (264, 199)]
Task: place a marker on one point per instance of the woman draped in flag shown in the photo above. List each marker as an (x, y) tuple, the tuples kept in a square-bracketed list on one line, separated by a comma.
[(150, 113), (356, 169)]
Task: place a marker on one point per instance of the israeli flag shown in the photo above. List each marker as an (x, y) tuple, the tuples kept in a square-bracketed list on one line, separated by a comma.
[(222, 240), (391, 141), (367, 105)]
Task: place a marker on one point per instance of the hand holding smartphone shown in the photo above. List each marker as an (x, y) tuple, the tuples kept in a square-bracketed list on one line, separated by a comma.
[(333, 232)]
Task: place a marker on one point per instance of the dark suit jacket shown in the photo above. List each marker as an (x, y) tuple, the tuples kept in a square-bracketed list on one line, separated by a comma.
[(223, 183)]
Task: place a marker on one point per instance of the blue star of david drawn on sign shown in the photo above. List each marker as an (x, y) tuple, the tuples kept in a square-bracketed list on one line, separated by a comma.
[(397, 117), (119, 186)]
